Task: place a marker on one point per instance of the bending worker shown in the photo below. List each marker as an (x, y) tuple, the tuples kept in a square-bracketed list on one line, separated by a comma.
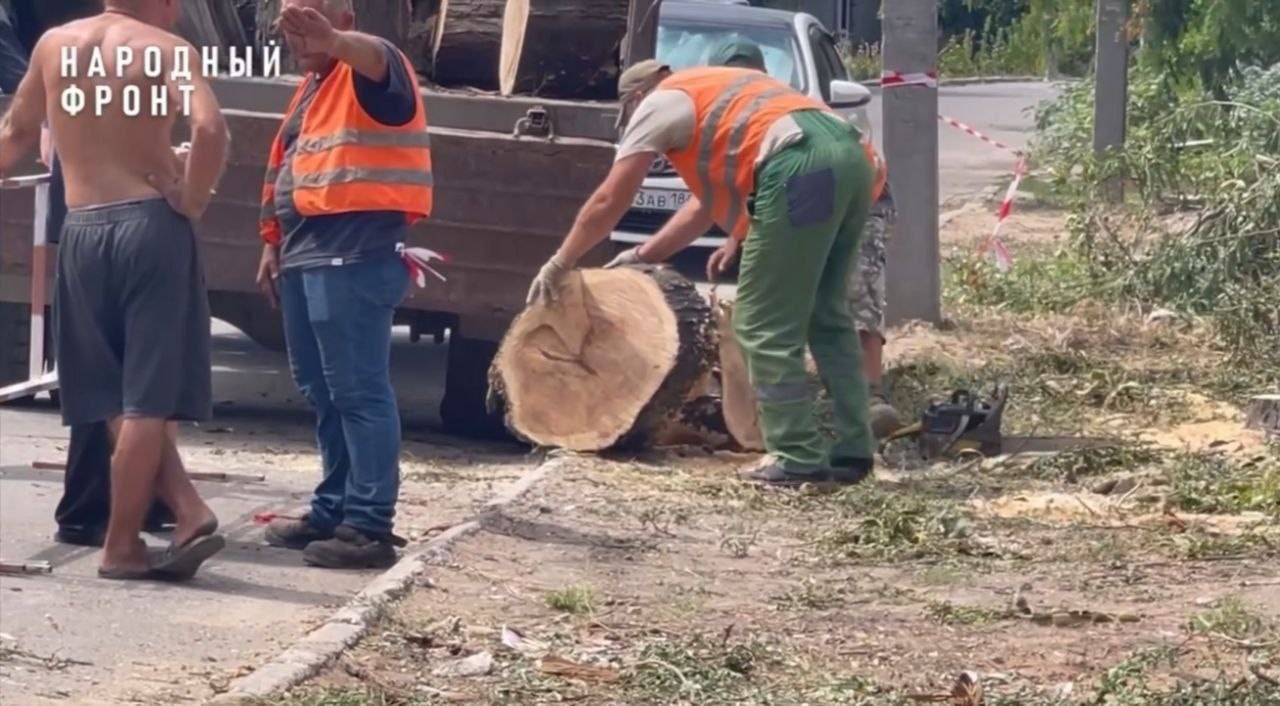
[(349, 171), (789, 181), (866, 278)]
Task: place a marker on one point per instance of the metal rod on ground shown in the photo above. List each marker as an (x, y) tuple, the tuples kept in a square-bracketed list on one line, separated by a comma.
[(1111, 97), (25, 567), (217, 476), (914, 277)]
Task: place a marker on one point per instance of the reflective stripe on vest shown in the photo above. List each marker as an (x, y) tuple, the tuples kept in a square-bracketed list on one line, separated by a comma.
[(351, 175), (364, 138), (738, 202)]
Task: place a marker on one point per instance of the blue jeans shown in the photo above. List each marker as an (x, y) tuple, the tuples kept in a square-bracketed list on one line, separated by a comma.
[(337, 323)]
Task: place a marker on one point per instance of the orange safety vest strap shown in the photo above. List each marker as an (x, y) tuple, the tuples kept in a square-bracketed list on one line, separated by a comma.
[(881, 173), (268, 223), (707, 146)]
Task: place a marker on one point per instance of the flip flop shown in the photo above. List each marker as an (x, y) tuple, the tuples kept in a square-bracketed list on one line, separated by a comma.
[(182, 563), (172, 564), (204, 530)]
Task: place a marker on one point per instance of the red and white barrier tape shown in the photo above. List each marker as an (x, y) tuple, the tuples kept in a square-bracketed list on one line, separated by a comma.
[(896, 79), (1003, 258), (418, 260), (974, 132)]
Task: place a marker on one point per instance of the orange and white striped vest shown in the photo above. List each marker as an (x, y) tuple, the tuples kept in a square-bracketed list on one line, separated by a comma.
[(344, 161), (734, 109)]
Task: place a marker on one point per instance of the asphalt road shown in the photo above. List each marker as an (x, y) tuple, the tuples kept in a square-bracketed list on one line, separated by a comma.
[(1001, 110), (130, 643)]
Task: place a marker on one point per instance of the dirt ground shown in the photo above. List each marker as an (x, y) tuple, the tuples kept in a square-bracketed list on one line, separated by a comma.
[(1142, 569)]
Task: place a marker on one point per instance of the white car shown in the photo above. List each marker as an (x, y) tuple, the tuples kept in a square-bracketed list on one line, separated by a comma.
[(797, 49)]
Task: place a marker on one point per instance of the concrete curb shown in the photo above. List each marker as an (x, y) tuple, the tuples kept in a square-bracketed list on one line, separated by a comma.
[(306, 657)]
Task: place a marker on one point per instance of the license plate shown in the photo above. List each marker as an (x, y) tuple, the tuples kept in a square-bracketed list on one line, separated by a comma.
[(661, 199)]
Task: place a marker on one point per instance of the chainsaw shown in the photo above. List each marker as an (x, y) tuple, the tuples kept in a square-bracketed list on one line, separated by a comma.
[(959, 425)]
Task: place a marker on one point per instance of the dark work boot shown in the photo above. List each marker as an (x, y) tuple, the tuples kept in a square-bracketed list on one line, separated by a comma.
[(351, 548), (295, 534), (851, 471), (81, 536), (777, 476)]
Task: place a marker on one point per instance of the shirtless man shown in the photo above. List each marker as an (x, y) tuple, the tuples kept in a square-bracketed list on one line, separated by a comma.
[(133, 316)]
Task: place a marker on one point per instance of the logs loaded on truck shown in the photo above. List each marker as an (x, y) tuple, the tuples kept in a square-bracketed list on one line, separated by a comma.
[(549, 48)]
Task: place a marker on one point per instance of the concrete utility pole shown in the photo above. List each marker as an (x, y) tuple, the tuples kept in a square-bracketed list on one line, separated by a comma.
[(914, 286), (1111, 88), (642, 31)]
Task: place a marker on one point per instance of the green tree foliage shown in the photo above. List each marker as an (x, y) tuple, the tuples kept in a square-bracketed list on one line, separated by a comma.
[(1210, 40)]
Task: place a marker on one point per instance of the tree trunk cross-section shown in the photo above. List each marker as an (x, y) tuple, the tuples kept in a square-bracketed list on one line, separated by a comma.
[(468, 40), (610, 363), (562, 48)]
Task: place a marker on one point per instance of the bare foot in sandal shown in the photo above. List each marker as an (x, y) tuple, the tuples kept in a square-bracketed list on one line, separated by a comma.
[(135, 563)]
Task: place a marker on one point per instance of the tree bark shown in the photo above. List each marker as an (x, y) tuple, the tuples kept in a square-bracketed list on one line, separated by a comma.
[(610, 363), (468, 39), (421, 37), (389, 19), (562, 48)]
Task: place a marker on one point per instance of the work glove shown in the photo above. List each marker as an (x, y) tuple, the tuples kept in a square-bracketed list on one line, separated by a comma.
[(626, 258), (547, 284)]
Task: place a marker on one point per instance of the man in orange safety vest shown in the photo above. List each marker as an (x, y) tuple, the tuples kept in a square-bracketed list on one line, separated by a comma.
[(791, 183), (348, 173)]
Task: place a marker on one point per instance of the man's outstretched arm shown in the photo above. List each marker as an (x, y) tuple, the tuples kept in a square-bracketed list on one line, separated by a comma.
[(20, 127)]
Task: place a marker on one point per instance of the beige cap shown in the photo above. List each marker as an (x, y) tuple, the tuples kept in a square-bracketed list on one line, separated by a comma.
[(639, 75), (633, 80)]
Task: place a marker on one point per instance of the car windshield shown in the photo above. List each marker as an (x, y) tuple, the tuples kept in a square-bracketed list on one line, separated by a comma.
[(683, 44)]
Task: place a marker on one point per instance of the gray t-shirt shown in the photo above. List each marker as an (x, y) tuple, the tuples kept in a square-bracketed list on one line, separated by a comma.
[(344, 238)]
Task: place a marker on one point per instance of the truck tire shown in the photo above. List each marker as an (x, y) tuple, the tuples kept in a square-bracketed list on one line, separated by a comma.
[(251, 315), (466, 385)]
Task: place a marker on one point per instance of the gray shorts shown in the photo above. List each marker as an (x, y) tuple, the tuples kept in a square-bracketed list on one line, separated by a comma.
[(866, 288), (131, 316)]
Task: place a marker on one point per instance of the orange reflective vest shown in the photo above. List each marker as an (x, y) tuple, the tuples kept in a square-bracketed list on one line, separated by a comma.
[(344, 161), (882, 172), (734, 109)]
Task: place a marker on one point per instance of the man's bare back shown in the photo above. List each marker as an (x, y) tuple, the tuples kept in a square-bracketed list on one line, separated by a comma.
[(107, 158)]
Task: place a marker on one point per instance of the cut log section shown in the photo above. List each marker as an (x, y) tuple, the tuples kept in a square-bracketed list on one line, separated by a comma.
[(741, 414), (609, 363), (562, 49), (1264, 414), (467, 43)]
